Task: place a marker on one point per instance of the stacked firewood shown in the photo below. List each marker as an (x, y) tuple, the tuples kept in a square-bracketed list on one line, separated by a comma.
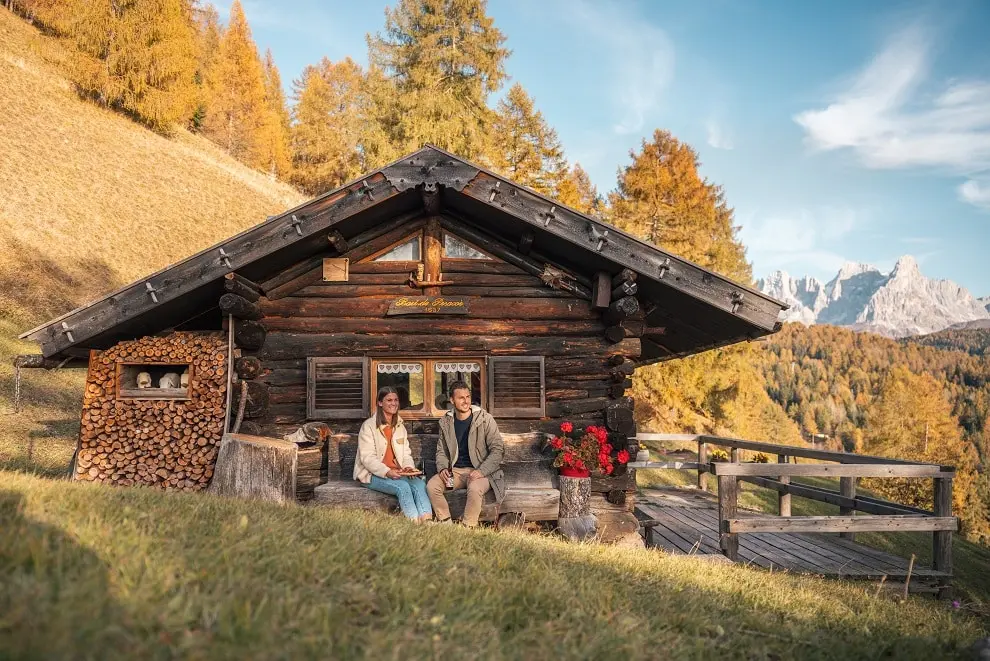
[(169, 443)]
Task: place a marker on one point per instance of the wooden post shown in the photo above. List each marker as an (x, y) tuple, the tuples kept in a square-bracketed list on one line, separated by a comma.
[(702, 461), (734, 455), (847, 488), (942, 540), (728, 496), (783, 497), (432, 253), (601, 291)]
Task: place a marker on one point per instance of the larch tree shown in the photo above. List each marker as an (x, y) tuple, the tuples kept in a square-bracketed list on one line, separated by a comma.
[(328, 125), (206, 21), (578, 192), (661, 198), (138, 56), (278, 127), (525, 147), (912, 419), (440, 59), (237, 115)]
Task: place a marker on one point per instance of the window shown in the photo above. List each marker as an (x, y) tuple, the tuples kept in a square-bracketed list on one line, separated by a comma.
[(422, 383), (153, 381), (408, 378), (458, 248), (336, 388), (447, 372), (516, 386), (407, 251)]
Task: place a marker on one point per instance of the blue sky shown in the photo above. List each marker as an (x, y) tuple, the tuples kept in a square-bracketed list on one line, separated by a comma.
[(841, 131)]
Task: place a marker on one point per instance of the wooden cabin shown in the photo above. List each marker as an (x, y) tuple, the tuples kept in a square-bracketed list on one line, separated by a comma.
[(425, 271)]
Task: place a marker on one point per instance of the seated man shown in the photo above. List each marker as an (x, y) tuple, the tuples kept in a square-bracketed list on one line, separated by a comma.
[(470, 451)]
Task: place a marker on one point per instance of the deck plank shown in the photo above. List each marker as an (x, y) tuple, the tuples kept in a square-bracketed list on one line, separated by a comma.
[(686, 517)]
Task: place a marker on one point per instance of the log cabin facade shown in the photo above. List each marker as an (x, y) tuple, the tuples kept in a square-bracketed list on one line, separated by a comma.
[(426, 271)]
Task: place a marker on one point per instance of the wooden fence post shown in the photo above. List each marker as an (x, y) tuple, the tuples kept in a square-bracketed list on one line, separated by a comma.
[(942, 540), (783, 497), (728, 496), (702, 462), (734, 455), (847, 488)]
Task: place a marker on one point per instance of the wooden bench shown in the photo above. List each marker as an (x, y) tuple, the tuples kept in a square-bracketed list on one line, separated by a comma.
[(530, 479)]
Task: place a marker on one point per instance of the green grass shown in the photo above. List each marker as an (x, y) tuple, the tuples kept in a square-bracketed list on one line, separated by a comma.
[(88, 571), (970, 562)]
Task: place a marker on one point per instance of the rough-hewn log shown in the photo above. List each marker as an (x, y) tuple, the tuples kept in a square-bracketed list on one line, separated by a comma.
[(625, 275), (239, 307), (247, 368), (284, 346), (625, 328), (431, 200), (576, 521), (625, 289), (526, 242), (37, 361), (255, 467), (619, 416), (238, 284), (478, 308), (258, 399), (576, 406), (427, 326), (249, 335), (460, 265), (337, 240), (621, 309)]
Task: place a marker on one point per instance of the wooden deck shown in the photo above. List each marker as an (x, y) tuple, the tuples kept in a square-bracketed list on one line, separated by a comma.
[(688, 524)]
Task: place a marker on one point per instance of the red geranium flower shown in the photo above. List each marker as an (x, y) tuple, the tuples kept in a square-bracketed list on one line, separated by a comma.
[(602, 435), (623, 456), (557, 443), (609, 469), (578, 464), (566, 427)]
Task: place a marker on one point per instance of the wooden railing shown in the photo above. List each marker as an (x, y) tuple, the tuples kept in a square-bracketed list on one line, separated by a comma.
[(884, 515)]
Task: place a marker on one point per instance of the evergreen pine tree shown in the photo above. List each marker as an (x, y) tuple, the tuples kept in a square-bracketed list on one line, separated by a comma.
[(328, 126), (138, 56), (526, 149), (441, 59), (278, 119), (237, 116)]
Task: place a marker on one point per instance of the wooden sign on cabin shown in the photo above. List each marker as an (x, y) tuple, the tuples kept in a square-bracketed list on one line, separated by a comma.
[(336, 269), (428, 305)]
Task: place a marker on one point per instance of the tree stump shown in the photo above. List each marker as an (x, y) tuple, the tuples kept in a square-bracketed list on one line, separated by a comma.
[(256, 467), (576, 522)]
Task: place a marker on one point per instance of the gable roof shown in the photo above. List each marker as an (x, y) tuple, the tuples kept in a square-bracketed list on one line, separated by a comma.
[(699, 308)]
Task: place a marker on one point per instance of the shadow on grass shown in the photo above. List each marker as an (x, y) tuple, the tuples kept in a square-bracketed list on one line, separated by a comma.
[(47, 575)]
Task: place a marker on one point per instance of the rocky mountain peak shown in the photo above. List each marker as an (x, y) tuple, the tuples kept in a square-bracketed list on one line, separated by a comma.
[(897, 304)]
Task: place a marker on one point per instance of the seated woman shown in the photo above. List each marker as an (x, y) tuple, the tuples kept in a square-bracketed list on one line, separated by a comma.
[(384, 462)]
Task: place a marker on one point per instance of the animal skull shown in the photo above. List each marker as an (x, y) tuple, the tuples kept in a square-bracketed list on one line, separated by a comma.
[(143, 380), (169, 380), (184, 379)]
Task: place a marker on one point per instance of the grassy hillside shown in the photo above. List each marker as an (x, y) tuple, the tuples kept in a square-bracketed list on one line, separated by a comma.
[(89, 571), (91, 201)]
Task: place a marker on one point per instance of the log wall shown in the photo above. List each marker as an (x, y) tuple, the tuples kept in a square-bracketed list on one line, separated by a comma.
[(511, 312), (168, 443)]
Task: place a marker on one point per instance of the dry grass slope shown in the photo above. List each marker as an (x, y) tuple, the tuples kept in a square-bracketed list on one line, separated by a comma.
[(90, 202)]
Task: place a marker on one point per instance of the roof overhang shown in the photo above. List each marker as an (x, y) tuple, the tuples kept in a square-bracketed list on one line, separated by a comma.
[(701, 309)]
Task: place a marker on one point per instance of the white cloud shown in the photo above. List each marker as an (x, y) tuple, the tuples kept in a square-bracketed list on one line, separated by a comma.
[(717, 137), (640, 56), (975, 193), (893, 116), (801, 241)]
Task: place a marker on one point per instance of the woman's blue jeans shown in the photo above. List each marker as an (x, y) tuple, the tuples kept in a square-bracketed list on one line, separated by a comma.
[(411, 492)]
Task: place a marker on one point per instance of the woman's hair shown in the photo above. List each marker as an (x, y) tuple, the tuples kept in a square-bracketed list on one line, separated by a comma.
[(379, 414)]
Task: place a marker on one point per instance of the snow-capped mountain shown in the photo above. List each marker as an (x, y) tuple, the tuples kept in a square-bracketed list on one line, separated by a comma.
[(897, 304)]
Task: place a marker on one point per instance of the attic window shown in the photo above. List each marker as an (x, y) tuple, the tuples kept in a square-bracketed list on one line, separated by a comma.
[(459, 249), (407, 251), (155, 381)]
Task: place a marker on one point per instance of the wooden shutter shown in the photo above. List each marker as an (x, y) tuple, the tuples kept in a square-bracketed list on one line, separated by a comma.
[(516, 387), (336, 388)]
